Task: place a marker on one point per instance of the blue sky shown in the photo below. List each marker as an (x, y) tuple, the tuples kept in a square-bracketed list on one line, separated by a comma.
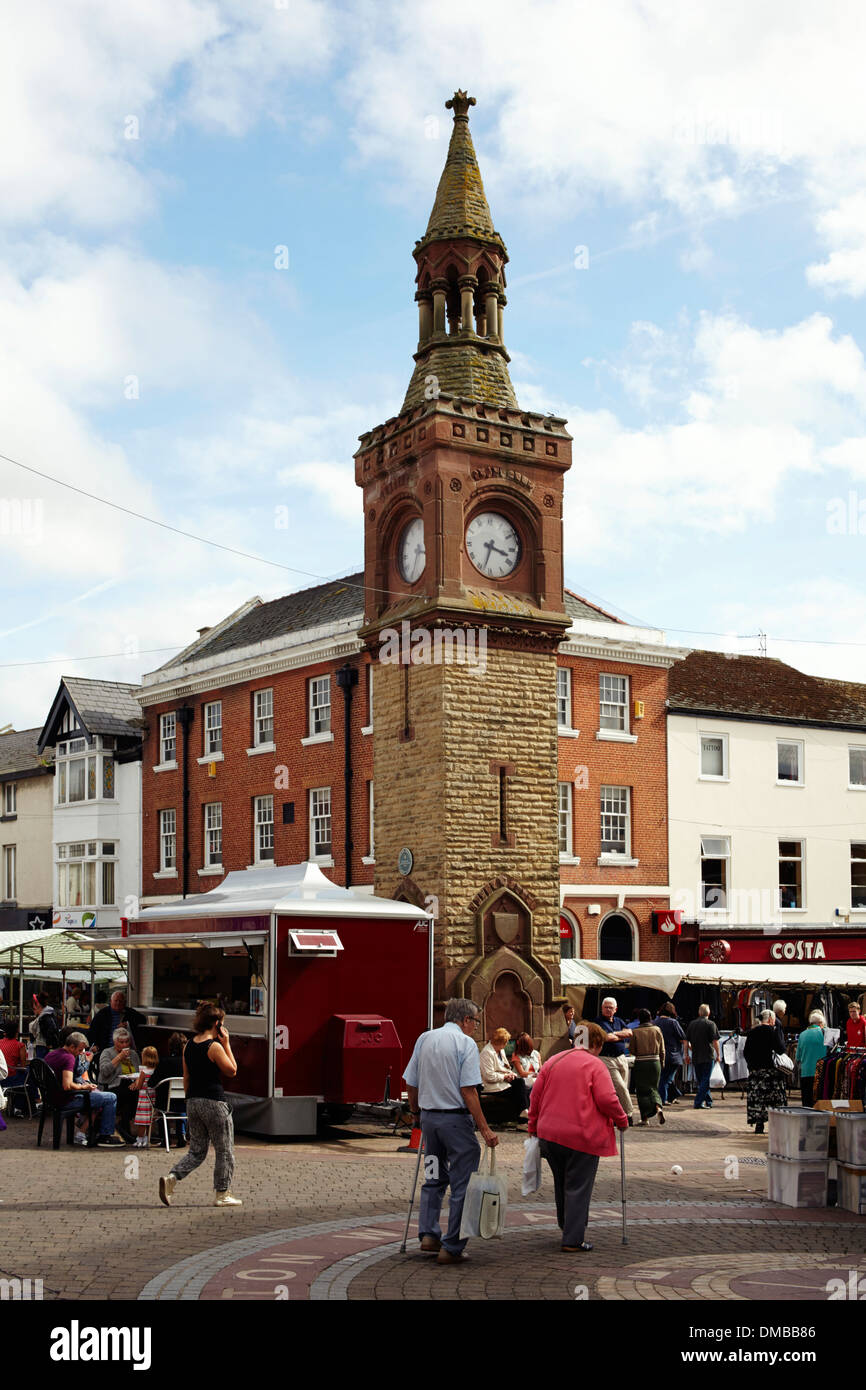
[(709, 357)]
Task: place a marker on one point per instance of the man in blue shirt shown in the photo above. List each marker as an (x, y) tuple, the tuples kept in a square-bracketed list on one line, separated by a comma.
[(615, 1051), (442, 1079)]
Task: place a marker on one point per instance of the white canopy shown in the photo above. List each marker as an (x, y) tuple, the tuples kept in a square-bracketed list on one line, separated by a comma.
[(57, 949), (668, 976), (293, 890)]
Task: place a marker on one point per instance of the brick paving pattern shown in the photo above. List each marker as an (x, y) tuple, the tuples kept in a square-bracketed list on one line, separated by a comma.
[(324, 1220)]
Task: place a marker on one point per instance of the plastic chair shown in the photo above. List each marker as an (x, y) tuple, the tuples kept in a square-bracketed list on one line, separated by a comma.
[(171, 1089), (20, 1089), (50, 1094)]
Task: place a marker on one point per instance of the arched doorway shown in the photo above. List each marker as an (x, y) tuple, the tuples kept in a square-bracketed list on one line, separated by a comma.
[(567, 937), (508, 1006), (615, 938)]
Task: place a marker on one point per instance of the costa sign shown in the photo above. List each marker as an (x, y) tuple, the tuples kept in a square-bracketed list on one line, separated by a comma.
[(797, 950)]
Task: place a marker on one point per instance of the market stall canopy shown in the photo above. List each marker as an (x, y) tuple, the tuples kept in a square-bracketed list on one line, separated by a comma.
[(291, 890), (667, 977), (57, 949)]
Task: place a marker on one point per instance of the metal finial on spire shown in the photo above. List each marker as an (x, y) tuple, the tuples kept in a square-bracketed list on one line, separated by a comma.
[(461, 104)]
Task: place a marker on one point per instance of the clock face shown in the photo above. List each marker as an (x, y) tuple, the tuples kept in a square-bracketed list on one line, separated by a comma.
[(493, 545), (411, 556)]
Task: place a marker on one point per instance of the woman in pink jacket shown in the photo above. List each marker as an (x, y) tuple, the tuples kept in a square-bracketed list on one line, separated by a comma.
[(573, 1112)]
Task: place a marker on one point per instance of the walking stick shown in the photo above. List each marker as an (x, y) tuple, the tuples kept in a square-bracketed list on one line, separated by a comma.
[(412, 1198), (622, 1169)]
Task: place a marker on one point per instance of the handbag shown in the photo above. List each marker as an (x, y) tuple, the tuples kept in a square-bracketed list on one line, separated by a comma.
[(531, 1166), (782, 1062), (485, 1203)]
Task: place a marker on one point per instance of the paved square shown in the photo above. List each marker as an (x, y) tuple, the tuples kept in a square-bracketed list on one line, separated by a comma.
[(324, 1221)]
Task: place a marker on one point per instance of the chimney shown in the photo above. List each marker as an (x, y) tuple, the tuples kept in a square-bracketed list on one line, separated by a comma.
[(202, 631)]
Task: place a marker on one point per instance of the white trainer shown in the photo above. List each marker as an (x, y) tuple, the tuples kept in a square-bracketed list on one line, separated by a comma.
[(225, 1199)]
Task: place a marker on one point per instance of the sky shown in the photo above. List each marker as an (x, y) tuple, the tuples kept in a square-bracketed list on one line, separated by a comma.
[(207, 213)]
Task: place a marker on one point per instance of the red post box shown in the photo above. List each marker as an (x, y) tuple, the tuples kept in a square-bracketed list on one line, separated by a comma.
[(362, 1051)]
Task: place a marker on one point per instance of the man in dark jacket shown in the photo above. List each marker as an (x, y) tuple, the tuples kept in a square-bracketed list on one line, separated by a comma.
[(115, 1014)]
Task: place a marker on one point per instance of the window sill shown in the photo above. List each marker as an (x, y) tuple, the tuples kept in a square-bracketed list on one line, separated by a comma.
[(615, 736), (166, 873), (211, 758), (261, 748), (710, 777), (564, 732), (324, 861), (13, 815), (368, 729), (368, 859), (852, 786), (793, 909), (569, 859), (164, 767), (780, 782), (317, 738), (263, 864), (210, 871), (618, 861)]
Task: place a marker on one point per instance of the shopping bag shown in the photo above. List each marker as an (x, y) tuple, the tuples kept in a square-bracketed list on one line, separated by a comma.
[(485, 1203), (531, 1166), (717, 1077)]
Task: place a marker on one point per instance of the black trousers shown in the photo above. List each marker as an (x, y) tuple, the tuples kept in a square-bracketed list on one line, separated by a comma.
[(807, 1090), (573, 1178)]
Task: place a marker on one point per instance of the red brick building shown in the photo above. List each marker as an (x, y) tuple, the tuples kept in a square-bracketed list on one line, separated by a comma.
[(250, 720), (613, 822)]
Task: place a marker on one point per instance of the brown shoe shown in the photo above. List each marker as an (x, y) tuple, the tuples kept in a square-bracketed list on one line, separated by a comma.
[(446, 1258), (430, 1245)]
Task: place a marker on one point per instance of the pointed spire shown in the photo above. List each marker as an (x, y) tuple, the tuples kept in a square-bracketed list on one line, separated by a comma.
[(460, 207), (461, 284)]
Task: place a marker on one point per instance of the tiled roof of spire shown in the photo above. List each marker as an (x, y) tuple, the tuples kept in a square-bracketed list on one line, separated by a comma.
[(463, 370), (460, 208)]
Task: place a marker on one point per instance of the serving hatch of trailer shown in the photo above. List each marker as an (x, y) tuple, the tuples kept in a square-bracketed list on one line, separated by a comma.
[(325, 989)]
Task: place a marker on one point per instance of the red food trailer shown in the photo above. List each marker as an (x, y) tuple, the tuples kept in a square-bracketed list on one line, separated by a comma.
[(325, 989)]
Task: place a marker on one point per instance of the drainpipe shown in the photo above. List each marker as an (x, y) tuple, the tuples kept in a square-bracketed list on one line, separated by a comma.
[(347, 679), (185, 717)]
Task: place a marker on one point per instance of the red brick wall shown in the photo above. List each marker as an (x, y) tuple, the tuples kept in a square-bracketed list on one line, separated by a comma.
[(239, 778), (642, 766)]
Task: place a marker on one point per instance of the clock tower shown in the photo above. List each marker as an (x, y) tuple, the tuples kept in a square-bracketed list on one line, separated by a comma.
[(463, 615)]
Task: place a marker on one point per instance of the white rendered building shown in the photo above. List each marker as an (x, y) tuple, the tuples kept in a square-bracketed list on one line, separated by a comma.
[(94, 734)]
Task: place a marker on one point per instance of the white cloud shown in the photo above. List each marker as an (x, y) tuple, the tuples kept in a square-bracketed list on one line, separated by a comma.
[(843, 228), (755, 409), (71, 79)]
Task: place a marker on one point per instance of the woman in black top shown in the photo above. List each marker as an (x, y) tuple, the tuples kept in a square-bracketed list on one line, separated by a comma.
[(206, 1060), (766, 1089)]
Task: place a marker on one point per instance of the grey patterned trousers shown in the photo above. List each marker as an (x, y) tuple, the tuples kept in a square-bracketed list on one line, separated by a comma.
[(209, 1121)]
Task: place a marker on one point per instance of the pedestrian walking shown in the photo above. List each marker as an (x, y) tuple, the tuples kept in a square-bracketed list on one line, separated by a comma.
[(442, 1078), (810, 1049), (206, 1060), (672, 1032), (573, 1111), (648, 1050), (766, 1086), (702, 1044), (615, 1051)]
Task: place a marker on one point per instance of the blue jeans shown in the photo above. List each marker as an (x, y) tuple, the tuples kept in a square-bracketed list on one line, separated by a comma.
[(103, 1103), (449, 1138), (702, 1077), (666, 1080)]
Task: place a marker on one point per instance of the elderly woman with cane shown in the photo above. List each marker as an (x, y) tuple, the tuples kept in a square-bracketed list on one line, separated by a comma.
[(573, 1111)]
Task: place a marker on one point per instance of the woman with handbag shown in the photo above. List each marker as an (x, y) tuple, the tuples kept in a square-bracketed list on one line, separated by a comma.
[(766, 1086)]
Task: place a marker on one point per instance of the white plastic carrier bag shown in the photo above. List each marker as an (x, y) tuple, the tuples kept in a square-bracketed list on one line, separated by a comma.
[(485, 1203), (531, 1166)]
